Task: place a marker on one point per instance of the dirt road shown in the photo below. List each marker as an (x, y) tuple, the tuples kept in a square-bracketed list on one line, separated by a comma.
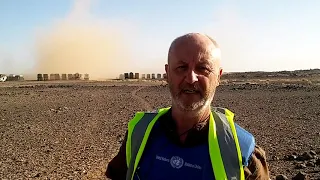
[(71, 130)]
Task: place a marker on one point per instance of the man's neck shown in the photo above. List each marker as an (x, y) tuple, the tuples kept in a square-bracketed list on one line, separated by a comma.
[(186, 120)]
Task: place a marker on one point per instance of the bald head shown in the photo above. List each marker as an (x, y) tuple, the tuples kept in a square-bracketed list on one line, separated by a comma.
[(195, 46), (195, 37), (195, 40)]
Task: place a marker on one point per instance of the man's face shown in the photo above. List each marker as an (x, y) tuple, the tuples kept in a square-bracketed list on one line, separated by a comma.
[(193, 74)]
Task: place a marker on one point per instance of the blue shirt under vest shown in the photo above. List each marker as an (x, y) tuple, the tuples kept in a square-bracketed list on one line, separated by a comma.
[(165, 159)]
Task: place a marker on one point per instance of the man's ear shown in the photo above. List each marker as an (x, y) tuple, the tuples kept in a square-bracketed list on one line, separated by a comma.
[(166, 67), (220, 73), (219, 76)]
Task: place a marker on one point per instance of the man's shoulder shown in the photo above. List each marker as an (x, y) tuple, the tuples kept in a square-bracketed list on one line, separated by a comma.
[(246, 139), (247, 143)]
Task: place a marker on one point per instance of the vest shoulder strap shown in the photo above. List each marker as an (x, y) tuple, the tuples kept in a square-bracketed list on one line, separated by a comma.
[(246, 142), (139, 129), (245, 138)]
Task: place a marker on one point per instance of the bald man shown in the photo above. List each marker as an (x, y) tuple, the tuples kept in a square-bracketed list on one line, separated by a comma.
[(190, 139)]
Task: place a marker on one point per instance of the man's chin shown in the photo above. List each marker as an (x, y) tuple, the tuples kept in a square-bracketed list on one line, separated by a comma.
[(191, 106)]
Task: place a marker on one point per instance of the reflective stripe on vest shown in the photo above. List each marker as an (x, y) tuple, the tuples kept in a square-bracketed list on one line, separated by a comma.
[(224, 149)]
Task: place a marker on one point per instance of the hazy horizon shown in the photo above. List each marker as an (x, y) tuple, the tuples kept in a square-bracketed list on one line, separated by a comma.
[(105, 38)]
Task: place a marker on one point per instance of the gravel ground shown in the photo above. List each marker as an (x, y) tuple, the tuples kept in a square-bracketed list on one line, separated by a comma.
[(72, 130)]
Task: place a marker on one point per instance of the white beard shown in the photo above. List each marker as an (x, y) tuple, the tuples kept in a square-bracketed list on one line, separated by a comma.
[(195, 106)]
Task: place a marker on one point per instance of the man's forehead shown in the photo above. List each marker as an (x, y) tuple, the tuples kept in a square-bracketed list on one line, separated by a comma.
[(194, 45)]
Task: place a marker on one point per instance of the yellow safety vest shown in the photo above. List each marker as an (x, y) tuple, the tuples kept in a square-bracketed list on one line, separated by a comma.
[(224, 148)]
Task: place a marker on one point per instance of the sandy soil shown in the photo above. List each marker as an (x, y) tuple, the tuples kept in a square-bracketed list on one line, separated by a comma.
[(56, 130)]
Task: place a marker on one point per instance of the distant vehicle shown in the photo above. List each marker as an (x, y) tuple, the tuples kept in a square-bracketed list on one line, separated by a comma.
[(3, 77), (11, 77)]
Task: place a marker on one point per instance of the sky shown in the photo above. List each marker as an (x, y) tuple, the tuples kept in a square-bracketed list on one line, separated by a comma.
[(105, 38)]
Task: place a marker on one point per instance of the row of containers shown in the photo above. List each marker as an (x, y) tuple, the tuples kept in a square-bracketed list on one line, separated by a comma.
[(132, 75), (55, 77)]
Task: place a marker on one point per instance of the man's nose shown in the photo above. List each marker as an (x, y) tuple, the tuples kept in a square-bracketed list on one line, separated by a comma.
[(192, 77)]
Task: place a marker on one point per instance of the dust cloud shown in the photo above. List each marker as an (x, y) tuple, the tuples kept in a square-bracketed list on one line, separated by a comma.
[(82, 44)]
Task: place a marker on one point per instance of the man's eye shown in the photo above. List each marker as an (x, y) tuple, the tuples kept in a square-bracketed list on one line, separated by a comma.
[(205, 69), (182, 67)]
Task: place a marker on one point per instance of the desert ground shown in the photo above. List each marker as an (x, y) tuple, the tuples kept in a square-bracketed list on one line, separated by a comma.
[(71, 130)]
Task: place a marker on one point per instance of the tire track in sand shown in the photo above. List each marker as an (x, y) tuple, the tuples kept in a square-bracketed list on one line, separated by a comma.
[(144, 103), (98, 170)]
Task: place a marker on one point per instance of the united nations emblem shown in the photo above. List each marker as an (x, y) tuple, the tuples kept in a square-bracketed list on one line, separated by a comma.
[(176, 162)]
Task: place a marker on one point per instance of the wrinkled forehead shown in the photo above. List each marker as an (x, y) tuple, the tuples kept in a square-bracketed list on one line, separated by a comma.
[(194, 48)]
